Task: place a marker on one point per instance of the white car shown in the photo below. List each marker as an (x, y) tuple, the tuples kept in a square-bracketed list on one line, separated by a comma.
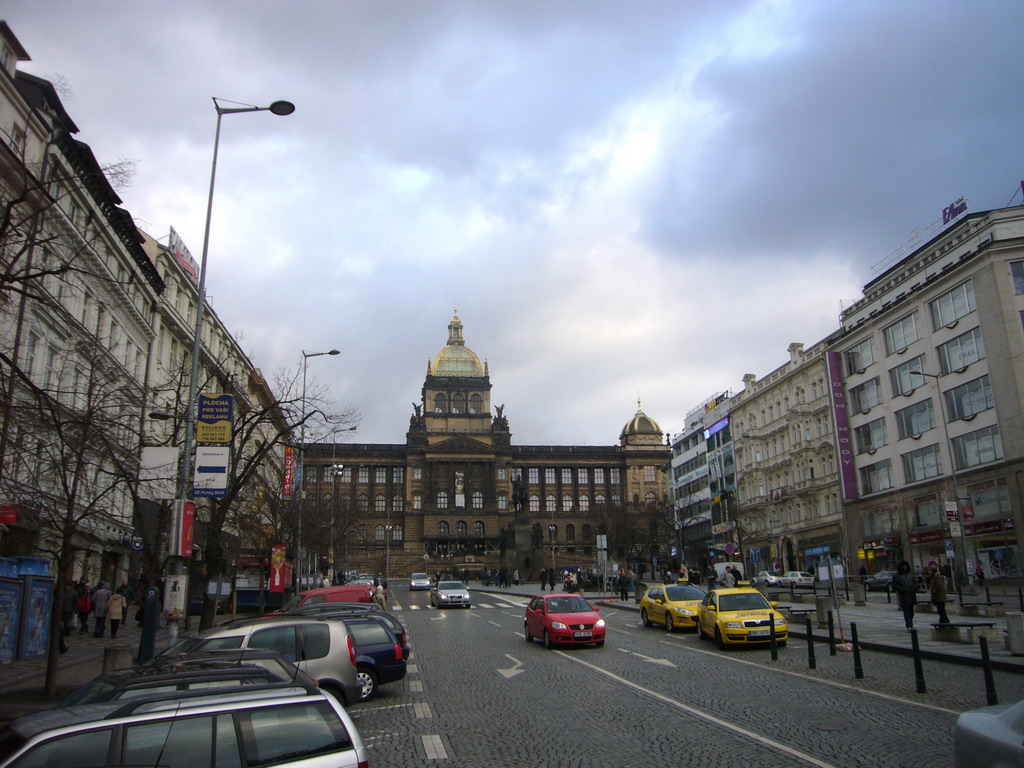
[(796, 578), (767, 578), (448, 593), (419, 581)]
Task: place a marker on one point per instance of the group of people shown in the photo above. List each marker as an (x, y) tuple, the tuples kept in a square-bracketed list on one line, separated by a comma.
[(904, 584), (80, 601), (500, 577)]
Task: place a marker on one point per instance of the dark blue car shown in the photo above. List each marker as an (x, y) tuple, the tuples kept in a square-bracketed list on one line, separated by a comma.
[(379, 656)]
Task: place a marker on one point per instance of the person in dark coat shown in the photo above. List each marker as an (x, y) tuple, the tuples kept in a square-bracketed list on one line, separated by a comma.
[(68, 607), (543, 578), (905, 586), (100, 600), (938, 596), (84, 606)]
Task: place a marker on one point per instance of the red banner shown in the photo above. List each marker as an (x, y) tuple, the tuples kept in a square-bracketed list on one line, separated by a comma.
[(289, 468), (9, 513), (277, 574), (184, 526)]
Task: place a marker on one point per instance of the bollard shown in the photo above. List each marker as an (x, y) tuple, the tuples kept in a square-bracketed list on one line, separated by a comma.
[(117, 657), (792, 590), (773, 641), (988, 595), (1020, 597), (888, 593), (831, 635), (811, 663), (986, 667), (858, 670), (918, 669)]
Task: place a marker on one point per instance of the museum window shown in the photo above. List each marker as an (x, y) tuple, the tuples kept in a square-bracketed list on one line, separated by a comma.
[(566, 477), (460, 528), (311, 471), (1017, 275), (397, 504), (876, 477), (380, 475), (442, 528), (502, 501), (380, 503), (613, 476), (534, 475), (346, 501), (650, 499), (439, 403), (956, 354), (378, 533), (598, 475), (922, 464), (650, 474), (969, 399), (950, 307), (478, 500), (871, 436), (915, 419), (364, 474), (396, 533), (865, 396), (442, 500), (549, 475), (570, 532), (534, 502), (581, 476), (567, 503), (502, 473), (476, 404), (902, 379), (551, 503), (599, 501), (362, 502), (417, 473), (458, 403), (417, 501), (858, 357), (588, 532), (616, 500), (398, 475), (361, 531), (584, 503), (900, 334), (979, 447)]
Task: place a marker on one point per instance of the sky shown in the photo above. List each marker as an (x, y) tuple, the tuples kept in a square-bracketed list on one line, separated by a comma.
[(624, 200)]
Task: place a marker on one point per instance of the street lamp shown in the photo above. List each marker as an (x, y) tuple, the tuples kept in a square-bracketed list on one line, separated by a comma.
[(302, 467), (175, 566), (956, 490)]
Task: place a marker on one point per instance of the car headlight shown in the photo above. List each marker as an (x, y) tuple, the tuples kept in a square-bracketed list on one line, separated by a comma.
[(444, 597), (558, 625), (734, 625), (684, 611), (600, 623)]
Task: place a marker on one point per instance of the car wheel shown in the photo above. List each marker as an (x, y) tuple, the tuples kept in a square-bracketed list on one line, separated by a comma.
[(644, 618), (700, 631), (547, 640), (599, 644), (526, 632), (367, 681), (670, 625), (719, 639)]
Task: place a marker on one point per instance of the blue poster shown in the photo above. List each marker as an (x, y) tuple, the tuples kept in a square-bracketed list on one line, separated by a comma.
[(35, 624), (10, 610)]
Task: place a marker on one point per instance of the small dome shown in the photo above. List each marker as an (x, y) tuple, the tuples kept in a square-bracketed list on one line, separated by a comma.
[(641, 424), (456, 359)]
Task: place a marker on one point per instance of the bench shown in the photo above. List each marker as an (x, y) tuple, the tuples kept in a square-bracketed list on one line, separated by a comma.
[(950, 632), (993, 609), (795, 612)]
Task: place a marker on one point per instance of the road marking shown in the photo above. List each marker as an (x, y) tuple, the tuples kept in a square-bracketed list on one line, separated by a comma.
[(512, 671), (494, 623), (702, 715), (423, 711), (416, 686), (620, 631), (363, 710), (662, 662), (843, 686), (412, 669), (434, 748)]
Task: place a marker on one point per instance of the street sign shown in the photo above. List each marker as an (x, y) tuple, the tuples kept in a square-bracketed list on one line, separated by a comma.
[(968, 513), (211, 474), (137, 544), (951, 510), (954, 529), (755, 555)]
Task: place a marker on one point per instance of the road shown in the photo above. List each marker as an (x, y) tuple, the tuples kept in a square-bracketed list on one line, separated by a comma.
[(478, 694)]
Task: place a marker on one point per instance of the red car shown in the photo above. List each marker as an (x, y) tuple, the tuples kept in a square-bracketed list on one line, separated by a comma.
[(564, 618)]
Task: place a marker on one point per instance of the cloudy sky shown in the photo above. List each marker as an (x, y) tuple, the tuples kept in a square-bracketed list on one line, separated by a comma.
[(623, 199)]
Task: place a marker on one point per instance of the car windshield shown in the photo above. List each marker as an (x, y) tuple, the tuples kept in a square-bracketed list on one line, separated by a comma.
[(679, 593), (419, 576), (451, 585), (291, 604), (747, 601), (573, 604)]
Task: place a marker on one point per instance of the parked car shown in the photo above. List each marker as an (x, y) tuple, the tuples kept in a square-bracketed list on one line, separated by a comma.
[(419, 581), (672, 605), (277, 724), (563, 618), (449, 593), (346, 593), (739, 617), (796, 579), (322, 649), (379, 656), (767, 579), (345, 610), (990, 737), (879, 580)]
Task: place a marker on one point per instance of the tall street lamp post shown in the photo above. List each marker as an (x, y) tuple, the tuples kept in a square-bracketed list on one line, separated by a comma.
[(302, 468), (175, 566), (962, 565)]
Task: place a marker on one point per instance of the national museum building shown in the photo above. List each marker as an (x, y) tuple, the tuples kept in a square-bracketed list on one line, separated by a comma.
[(459, 495)]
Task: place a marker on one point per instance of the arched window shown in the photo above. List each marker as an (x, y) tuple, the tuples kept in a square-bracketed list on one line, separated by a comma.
[(346, 501), (534, 502), (588, 532), (458, 403), (616, 499), (570, 532), (380, 503), (439, 403), (551, 503), (361, 531), (442, 499), (396, 533), (476, 403), (478, 500), (478, 528), (599, 501), (584, 503), (442, 528), (567, 503), (460, 528), (362, 502), (650, 499), (397, 504), (378, 533)]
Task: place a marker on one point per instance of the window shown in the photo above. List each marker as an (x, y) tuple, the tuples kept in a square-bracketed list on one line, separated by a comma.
[(922, 464), (346, 475), (960, 352), (650, 474), (292, 732), (534, 502), (279, 639), (599, 501), (86, 749), (380, 503), (502, 501), (550, 502), (442, 528), (417, 473), (476, 404), (478, 500), (398, 474), (858, 357), (990, 498), (582, 476), (901, 379), (397, 503), (380, 475), (613, 476), (978, 447), (566, 477), (417, 501), (316, 641), (599, 476), (1017, 273), (460, 528), (865, 396), (969, 399), (567, 503), (570, 532), (534, 475), (950, 307), (442, 500), (915, 419), (458, 403), (871, 436), (439, 403), (396, 533), (588, 532), (584, 503), (549, 476), (929, 510), (900, 335), (310, 472), (478, 528), (650, 499), (364, 474), (876, 477)]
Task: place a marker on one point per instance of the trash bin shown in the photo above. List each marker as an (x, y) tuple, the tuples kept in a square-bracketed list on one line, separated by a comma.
[(117, 657), (1015, 633), (859, 594), (638, 590), (822, 605)]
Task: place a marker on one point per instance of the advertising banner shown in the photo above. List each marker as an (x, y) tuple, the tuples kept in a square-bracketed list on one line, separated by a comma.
[(289, 472), (844, 437), (10, 615), (37, 603), (277, 574), (216, 414)]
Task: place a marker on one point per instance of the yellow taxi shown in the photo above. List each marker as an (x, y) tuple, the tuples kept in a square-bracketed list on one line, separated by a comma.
[(671, 605), (739, 616)]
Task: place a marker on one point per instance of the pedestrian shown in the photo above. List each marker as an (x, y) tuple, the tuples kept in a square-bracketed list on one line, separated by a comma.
[(980, 573), (515, 576), (100, 602), (863, 573), (68, 608), (623, 585), (543, 578), (728, 580), (380, 598), (938, 588), (905, 586), (84, 606), (712, 577), (116, 608)]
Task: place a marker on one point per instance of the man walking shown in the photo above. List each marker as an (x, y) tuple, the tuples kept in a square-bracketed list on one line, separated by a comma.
[(100, 601)]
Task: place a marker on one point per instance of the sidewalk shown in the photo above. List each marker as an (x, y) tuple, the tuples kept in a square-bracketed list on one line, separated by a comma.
[(879, 624)]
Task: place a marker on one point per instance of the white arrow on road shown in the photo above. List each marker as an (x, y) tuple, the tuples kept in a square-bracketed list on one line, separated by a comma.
[(512, 671), (662, 662)]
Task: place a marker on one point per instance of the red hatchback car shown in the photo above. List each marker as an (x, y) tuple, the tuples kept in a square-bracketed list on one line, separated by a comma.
[(565, 618)]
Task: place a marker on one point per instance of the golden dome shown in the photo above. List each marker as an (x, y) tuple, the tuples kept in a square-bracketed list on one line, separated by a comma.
[(456, 359), (641, 424)]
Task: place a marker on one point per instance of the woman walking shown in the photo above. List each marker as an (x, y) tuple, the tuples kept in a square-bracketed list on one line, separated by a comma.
[(905, 586)]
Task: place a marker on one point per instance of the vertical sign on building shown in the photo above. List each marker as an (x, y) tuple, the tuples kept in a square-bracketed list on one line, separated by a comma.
[(844, 438), (277, 558), (289, 471), (184, 525)]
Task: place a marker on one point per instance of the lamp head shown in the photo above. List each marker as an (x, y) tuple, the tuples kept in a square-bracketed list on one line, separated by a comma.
[(282, 108)]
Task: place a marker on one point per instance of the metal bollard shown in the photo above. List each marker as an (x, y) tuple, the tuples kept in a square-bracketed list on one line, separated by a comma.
[(988, 595), (774, 643), (811, 663), (831, 635), (918, 669), (986, 667), (888, 593), (858, 670), (1020, 597)]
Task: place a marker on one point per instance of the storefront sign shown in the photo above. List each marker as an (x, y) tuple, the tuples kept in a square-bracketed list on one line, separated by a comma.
[(289, 470)]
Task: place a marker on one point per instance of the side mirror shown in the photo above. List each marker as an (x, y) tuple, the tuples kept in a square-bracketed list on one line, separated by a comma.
[(774, 603)]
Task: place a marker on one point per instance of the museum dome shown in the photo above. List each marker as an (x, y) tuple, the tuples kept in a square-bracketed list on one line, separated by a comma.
[(641, 425), (456, 359)]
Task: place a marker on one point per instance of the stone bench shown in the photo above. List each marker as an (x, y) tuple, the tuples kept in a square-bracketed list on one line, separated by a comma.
[(992, 609), (951, 633)]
